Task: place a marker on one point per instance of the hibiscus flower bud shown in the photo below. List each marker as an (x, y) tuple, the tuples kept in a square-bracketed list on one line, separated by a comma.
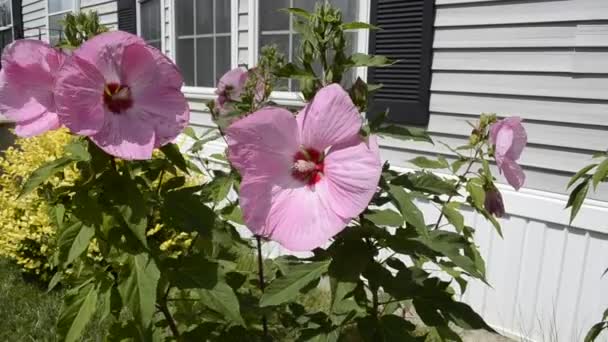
[(494, 204), (509, 139), (232, 87)]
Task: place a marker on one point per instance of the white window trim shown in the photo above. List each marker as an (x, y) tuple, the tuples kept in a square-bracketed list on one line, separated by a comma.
[(292, 98), (163, 21), (206, 93), (75, 8)]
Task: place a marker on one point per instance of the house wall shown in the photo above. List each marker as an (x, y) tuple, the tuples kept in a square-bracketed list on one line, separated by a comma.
[(545, 60)]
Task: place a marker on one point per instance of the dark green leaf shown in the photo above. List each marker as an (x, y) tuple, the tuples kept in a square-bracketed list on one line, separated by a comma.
[(233, 213), (478, 194), (175, 156), (600, 173), (426, 163), (287, 288), (43, 173), (595, 331), (427, 182), (385, 217), (194, 272), (222, 299), (76, 312), (408, 209), (137, 287), (577, 197), (364, 60), (405, 133), (80, 243), (450, 210), (582, 172), (298, 11), (185, 209), (395, 328), (356, 25), (217, 190)]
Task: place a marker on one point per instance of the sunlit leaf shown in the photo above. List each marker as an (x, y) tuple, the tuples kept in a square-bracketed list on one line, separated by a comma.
[(287, 288)]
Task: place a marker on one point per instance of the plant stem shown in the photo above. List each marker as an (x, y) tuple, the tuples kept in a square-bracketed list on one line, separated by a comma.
[(160, 181), (262, 285), (162, 305), (458, 184)]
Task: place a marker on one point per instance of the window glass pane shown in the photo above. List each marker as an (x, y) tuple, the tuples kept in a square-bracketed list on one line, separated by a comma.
[(204, 16), (5, 13), (6, 37), (150, 20), (280, 40), (185, 59), (308, 5), (222, 16), (60, 5), (184, 10), (222, 53), (270, 17), (56, 28), (204, 63)]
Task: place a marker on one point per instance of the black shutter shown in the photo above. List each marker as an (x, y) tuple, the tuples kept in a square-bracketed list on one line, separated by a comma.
[(127, 16), (17, 19), (406, 35)]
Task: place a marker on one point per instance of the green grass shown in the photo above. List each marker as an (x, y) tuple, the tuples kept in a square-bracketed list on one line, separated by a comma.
[(28, 312)]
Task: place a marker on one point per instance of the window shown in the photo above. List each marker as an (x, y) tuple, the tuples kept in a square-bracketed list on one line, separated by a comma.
[(277, 27), (57, 10), (150, 22), (406, 35), (6, 23), (203, 40)]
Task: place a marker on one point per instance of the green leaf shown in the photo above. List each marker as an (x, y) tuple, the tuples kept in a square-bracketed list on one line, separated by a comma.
[(298, 11), (395, 328), (595, 331), (137, 287), (189, 132), (385, 217), (132, 208), (65, 239), (175, 156), (80, 243), (408, 209), (287, 288), (186, 210), (78, 150), (194, 272), (233, 213), (43, 173), (357, 25), (364, 60), (450, 210), (222, 299), (426, 163), (478, 194), (582, 172), (600, 174), (451, 244), (76, 312), (217, 190), (577, 197), (405, 133), (427, 182)]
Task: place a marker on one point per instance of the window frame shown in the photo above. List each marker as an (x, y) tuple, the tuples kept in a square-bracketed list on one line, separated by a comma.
[(163, 21), (294, 98), (75, 8), (205, 93), (11, 25)]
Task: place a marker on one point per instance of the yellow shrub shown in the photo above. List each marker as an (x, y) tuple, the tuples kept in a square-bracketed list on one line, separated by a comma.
[(26, 233)]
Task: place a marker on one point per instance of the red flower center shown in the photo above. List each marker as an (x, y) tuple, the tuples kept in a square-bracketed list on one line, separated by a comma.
[(308, 165), (117, 97)]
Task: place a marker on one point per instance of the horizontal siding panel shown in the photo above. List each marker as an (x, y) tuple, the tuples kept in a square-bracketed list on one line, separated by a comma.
[(33, 7), (104, 8), (89, 3), (566, 86), (550, 110), (521, 12), (454, 2), (592, 35), (521, 61), (587, 138)]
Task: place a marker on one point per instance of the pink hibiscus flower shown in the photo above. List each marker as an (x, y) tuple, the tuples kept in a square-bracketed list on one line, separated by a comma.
[(123, 94), (509, 137), (304, 178), (231, 86), (27, 80)]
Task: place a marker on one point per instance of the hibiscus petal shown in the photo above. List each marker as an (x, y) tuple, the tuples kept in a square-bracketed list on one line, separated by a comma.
[(504, 140), (45, 122), (79, 96), (331, 118), (126, 136), (264, 143), (105, 51), (513, 173), (298, 217), (145, 68), (352, 170), (27, 78), (519, 137), (167, 110)]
